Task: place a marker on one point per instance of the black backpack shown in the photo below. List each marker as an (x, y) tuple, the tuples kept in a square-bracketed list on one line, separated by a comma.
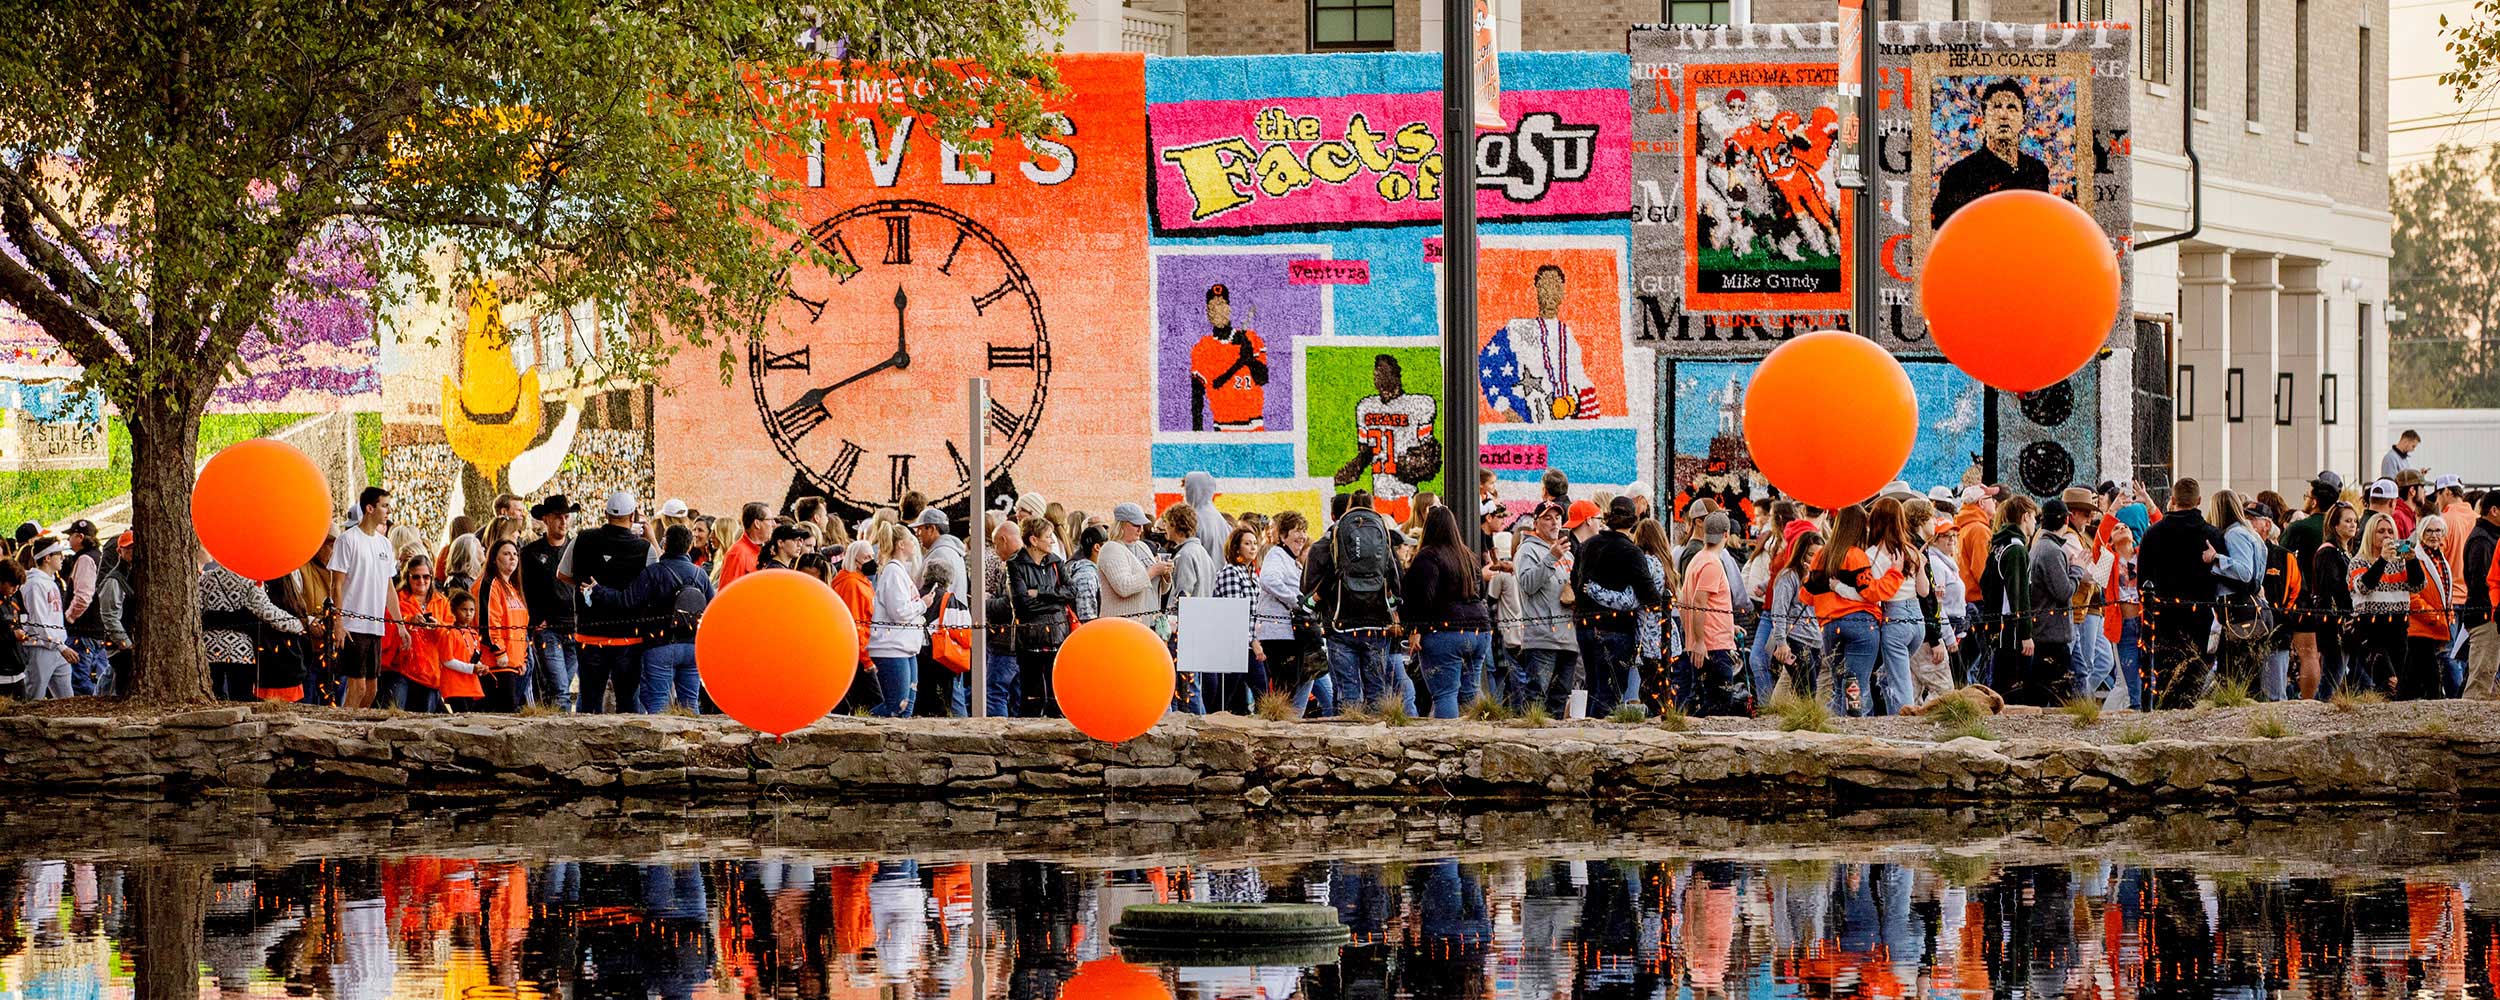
[(686, 611), (1364, 555)]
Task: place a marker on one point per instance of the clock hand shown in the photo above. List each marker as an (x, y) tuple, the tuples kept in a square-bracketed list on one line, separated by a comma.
[(899, 360), (902, 350)]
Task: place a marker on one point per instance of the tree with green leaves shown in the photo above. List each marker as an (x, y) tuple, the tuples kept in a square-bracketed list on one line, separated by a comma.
[(2445, 282), (165, 166)]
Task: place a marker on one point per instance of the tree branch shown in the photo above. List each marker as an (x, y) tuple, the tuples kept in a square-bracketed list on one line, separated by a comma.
[(454, 220), (74, 329)]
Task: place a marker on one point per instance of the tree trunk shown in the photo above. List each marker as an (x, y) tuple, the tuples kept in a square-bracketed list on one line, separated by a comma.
[(170, 657), (169, 913)]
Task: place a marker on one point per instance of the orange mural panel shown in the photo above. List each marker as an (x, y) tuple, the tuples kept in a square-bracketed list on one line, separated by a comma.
[(1548, 334), (1025, 265)]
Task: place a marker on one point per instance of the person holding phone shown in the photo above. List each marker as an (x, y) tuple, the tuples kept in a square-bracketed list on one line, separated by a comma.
[(895, 637), (2384, 577), (413, 647)]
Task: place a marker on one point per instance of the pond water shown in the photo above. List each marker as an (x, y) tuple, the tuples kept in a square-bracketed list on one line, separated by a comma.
[(660, 902)]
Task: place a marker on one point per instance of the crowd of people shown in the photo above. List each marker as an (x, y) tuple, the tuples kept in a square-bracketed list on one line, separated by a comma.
[(1716, 603)]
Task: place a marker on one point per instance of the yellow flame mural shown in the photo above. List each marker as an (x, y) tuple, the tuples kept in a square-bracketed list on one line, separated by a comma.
[(491, 413)]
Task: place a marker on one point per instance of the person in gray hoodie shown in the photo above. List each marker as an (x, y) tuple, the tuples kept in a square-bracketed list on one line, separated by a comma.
[(1549, 647), (2054, 574), (942, 554), (1193, 575), (1198, 491)]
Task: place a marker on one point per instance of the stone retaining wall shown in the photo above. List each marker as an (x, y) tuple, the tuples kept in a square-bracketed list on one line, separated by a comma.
[(278, 749)]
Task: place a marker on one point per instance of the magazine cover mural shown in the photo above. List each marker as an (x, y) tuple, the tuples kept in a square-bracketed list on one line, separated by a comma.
[(1966, 109), (1296, 258)]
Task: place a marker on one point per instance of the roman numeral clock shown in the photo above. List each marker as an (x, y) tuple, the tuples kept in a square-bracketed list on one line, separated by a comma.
[(856, 363)]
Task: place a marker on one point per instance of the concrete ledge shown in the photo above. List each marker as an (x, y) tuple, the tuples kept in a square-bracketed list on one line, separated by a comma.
[(2434, 752)]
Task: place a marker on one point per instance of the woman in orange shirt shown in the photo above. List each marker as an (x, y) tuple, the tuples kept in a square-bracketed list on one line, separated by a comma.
[(2431, 621), (412, 642), (1848, 598), (503, 644), (852, 585)]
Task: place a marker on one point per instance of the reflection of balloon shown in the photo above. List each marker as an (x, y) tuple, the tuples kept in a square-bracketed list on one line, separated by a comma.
[(1830, 418), (1111, 978), (776, 650), (1114, 679), (261, 508), (2019, 289)]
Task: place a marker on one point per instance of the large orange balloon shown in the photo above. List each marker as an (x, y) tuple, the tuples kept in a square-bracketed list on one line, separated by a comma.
[(1113, 979), (1114, 679), (261, 508), (776, 650), (2019, 289), (1830, 418)]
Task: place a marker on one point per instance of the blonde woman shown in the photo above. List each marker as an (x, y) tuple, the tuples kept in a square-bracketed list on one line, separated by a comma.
[(895, 638), (2384, 577), (462, 563)]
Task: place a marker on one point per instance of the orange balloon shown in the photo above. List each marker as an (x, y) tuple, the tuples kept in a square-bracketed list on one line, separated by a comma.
[(2019, 289), (1113, 979), (776, 649), (1830, 418), (261, 508), (1114, 679)]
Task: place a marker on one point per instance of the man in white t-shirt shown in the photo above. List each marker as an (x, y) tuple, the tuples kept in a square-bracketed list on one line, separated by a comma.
[(360, 574)]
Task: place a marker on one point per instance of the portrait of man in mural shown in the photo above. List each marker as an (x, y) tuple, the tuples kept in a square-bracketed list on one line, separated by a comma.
[(2000, 163), (1393, 435), (1227, 371), (1531, 369)]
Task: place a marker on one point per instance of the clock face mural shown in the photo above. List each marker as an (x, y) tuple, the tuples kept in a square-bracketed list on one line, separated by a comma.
[(918, 296), (1023, 264)]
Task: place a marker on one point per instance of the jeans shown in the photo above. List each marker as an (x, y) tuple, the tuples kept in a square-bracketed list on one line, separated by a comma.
[(1189, 692), (395, 690), (92, 671), (558, 658), (1901, 636), (670, 667), (1759, 663), (898, 680), (1608, 655), (2095, 661), (1451, 661), (1721, 687), (1001, 683), (2131, 661), (1853, 644), (1555, 672), (606, 668), (1511, 683), (1360, 666), (2274, 676), (2453, 658)]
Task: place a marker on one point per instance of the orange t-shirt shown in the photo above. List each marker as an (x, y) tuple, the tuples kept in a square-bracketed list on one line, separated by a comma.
[(1707, 591), (507, 617), (417, 653), (1840, 603), (1235, 401), (460, 644)]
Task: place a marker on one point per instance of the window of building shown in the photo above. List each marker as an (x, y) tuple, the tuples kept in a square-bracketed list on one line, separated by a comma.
[(2200, 11), (1697, 11), (2153, 32), (2300, 65), (2362, 106), (1353, 24), (2249, 81)]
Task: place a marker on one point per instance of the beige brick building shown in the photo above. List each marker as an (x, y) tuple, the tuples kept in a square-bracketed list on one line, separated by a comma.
[(2278, 349)]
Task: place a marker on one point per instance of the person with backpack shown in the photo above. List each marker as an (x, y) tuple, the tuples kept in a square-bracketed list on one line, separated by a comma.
[(1352, 585), (2176, 562), (2006, 580), (611, 556), (669, 596), (1610, 584)]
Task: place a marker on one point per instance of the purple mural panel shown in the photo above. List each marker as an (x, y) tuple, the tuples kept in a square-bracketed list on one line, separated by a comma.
[(1239, 378)]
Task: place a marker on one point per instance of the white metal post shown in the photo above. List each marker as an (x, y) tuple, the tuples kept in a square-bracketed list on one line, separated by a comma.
[(977, 545)]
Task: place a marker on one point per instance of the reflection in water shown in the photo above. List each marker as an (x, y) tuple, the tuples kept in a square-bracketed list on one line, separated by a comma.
[(365, 928)]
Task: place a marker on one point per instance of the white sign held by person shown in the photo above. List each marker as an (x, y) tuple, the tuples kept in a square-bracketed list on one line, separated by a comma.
[(1215, 635)]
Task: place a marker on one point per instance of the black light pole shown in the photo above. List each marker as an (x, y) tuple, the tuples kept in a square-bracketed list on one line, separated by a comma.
[(1869, 214), (1458, 265)]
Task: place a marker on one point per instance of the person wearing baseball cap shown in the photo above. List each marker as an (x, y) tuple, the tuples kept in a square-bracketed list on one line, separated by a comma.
[(2383, 497), (91, 666), (1549, 649), (611, 556)]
